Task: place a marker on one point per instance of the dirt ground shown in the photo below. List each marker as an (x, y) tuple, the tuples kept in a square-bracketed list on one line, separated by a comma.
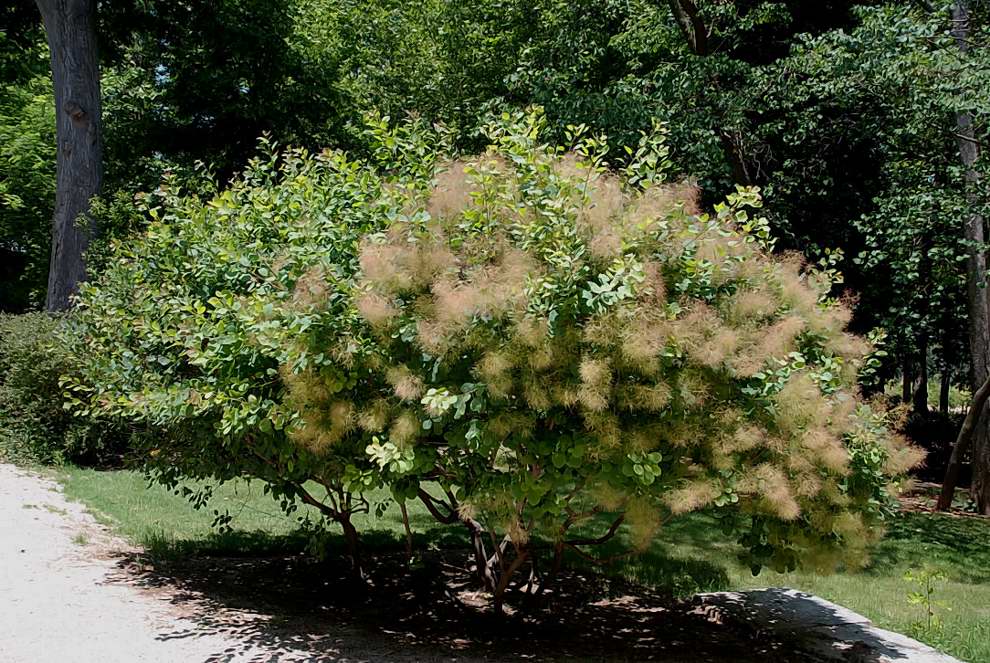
[(70, 591)]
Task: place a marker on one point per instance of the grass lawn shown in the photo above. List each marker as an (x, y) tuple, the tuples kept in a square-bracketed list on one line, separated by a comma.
[(691, 555)]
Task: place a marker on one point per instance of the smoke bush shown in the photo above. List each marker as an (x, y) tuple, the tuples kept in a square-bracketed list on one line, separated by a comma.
[(527, 340)]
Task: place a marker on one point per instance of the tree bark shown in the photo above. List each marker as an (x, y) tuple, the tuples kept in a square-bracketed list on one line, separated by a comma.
[(485, 573), (907, 382), (353, 542), (498, 597), (408, 529), (943, 392), (691, 24), (976, 274), (70, 26), (920, 399), (963, 441)]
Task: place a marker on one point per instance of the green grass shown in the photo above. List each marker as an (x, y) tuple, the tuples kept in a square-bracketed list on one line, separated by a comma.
[(959, 399), (690, 555), (959, 548), (168, 526)]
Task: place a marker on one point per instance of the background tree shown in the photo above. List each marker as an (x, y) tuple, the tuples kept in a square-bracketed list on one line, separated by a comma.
[(976, 264), (27, 158), (70, 26)]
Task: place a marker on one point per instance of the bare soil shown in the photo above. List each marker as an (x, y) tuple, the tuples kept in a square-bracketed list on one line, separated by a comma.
[(923, 496)]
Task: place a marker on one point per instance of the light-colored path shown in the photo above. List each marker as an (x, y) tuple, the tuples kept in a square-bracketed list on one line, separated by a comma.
[(66, 596), (56, 603), (832, 632)]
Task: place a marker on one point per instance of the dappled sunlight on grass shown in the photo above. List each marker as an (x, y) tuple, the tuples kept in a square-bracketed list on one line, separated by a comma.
[(691, 554)]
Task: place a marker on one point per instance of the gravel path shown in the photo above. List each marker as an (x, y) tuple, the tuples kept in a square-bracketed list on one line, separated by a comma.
[(58, 602)]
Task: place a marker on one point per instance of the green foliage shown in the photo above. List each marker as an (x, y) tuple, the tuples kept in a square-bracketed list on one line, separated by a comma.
[(27, 189), (34, 425), (539, 337), (910, 66), (181, 83), (27, 166), (187, 329), (203, 81), (842, 111), (925, 581), (845, 113)]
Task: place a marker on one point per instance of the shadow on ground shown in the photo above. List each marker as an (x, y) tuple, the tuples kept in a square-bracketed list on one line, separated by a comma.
[(296, 608)]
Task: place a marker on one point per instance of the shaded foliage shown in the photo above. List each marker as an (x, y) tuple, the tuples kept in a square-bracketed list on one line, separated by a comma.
[(34, 425)]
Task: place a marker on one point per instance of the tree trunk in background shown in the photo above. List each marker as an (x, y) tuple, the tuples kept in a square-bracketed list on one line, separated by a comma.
[(963, 442), (692, 25), (945, 386), (943, 392), (907, 382), (976, 273), (71, 29), (920, 399)]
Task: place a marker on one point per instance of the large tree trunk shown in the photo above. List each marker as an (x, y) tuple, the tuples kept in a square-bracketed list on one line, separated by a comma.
[(71, 29), (976, 272)]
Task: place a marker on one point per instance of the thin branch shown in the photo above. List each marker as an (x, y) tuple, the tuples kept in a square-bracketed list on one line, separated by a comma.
[(431, 503), (306, 496), (363, 505), (499, 551), (573, 517), (312, 501), (451, 500), (601, 539), (971, 139)]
